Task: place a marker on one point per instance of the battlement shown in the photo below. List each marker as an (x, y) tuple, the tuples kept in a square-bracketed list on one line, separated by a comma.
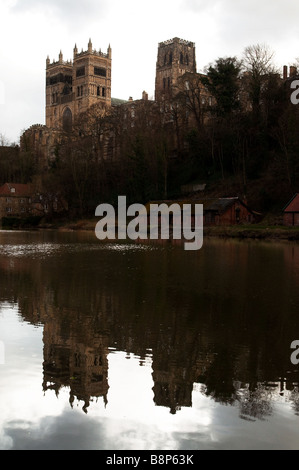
[(34, 127), (177, 40), (88, 52), (54, 63), (94, 52)]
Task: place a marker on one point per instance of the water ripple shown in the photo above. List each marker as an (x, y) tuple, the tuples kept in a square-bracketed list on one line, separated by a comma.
[(42, 250)]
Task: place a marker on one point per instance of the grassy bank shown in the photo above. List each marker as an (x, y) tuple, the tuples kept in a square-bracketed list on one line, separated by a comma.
[(255, 231)]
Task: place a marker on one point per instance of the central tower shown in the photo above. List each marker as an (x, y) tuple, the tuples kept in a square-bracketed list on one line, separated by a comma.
[(175, 57)]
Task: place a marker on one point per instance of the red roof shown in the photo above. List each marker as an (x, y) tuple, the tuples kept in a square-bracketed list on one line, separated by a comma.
[(293, 205), (16, 189)]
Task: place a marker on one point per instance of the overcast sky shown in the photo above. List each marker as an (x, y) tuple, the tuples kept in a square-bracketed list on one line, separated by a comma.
[(32, 29)]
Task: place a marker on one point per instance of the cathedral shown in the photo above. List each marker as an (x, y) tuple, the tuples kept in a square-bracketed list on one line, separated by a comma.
[(73, 86)]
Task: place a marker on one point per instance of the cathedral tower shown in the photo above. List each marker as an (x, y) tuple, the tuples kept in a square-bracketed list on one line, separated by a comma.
[(175, 57), (73, 86)]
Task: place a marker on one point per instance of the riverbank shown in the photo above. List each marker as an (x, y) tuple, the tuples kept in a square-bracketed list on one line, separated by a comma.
[(254, 231)]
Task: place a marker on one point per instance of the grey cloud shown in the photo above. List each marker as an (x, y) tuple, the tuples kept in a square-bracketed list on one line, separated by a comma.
[(66, 10)]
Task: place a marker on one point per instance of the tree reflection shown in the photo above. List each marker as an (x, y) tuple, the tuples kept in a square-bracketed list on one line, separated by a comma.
[(198, 328)]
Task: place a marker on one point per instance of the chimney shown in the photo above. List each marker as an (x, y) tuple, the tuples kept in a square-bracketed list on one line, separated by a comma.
[(144, 96), (285, 72), (293, 71)]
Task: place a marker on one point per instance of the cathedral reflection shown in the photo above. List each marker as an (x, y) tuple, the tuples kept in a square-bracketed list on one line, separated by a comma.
[(197, 336), (81, 364)]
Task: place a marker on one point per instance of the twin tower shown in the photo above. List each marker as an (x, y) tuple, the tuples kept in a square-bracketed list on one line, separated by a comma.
[(73, 86)]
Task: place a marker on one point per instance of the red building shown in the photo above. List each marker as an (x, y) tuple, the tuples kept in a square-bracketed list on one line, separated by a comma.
[(291, 211), (217, 211), (15, 199), (226, 211)]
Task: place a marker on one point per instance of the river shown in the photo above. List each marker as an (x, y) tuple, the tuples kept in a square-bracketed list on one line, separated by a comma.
[(119, 346)]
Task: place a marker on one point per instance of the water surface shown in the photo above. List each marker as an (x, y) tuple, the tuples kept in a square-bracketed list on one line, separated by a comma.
[(139, 346)]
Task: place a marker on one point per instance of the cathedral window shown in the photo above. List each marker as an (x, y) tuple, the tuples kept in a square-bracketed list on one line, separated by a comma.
[(103, 92), (181, 58), (80, 72), (67, 120), (170, 58), (100, 71), (187, 59), (98, 91), (66, 89)]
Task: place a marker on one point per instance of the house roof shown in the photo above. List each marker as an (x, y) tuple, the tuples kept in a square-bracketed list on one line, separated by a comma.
[(16, 189), (219, 205), (293, 204)]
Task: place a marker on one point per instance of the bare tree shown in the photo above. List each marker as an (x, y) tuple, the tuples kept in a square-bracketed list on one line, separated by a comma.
[(258, 60), (259, 68)]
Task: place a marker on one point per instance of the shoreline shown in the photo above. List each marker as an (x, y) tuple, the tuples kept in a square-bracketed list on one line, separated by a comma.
[(252, 231), (258, 231)]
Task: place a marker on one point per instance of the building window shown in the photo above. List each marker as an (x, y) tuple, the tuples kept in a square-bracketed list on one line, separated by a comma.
[(80, 72), (12, 190), (54, 98), (170, 58), (98, 91), (164, 83), (187, 59), (103, 92), (8, 209), (181, 58), (67, 120), (100, 71)]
